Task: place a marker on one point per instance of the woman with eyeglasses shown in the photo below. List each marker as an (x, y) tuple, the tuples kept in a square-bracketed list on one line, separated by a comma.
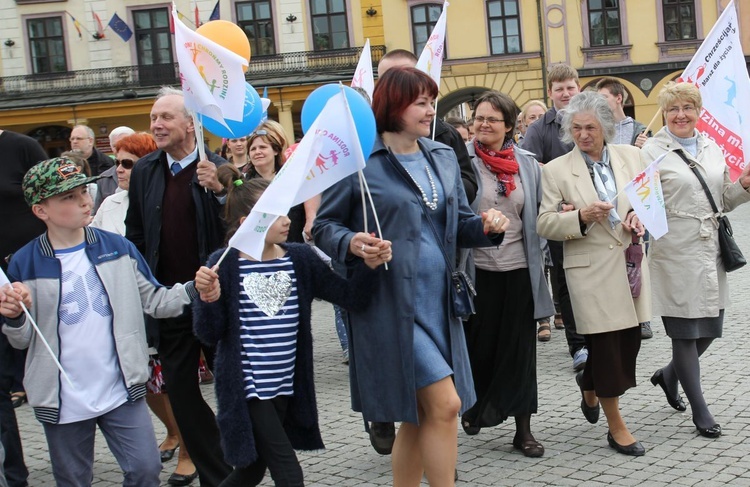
[(689, 282), (512, 292), (111, 217), (407, 354)]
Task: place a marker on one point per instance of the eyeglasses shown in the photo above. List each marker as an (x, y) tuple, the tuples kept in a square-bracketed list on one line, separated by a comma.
[(77, 139), (687, 110), (125, 163), (489, 120)]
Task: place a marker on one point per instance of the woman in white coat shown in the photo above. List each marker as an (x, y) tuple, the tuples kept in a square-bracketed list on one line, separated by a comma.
[(576, 192), (689, 280)]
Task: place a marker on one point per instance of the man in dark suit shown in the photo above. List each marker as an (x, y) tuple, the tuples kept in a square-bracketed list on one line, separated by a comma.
[(173, 219)]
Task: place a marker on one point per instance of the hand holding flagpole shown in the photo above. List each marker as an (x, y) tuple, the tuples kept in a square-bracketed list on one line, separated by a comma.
[(3, 281)]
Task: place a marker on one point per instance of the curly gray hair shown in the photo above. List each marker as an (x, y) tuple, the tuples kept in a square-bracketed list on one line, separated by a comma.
[(587, 102)]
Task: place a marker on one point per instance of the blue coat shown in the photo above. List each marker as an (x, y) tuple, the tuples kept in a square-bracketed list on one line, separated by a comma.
[(382, 335), (217, 324)]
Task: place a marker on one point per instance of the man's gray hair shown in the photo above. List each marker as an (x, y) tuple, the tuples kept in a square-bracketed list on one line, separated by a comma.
[(587, 102), (169, 90), (119, 131), (88, 130)]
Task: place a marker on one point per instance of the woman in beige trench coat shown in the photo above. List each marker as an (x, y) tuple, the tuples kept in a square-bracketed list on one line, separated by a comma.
[(575, 209), (688, 278)]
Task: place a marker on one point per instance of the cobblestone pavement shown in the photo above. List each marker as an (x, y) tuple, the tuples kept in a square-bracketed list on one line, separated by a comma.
[(576, 451)]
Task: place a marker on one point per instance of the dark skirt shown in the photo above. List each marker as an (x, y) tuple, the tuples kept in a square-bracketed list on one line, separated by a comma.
[(501, 339), (610, 368), (694, 328)]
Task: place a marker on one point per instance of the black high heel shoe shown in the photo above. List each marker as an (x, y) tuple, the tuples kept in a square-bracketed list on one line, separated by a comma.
[(469, 429), (676, 402), (711, 432), (591, 413)]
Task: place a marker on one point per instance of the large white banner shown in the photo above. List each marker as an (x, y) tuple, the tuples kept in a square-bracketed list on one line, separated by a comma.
[(719, 71), (212, 76), (328, 153)]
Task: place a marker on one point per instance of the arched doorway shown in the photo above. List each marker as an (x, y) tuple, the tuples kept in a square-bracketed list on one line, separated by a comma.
[(53, 138), (463, 99)]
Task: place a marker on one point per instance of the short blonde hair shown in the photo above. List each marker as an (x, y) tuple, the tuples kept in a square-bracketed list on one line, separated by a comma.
[(673, 92), (559, 73), (529, 104)]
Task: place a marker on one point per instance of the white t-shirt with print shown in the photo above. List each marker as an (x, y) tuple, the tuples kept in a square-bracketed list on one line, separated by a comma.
[(87, 344)]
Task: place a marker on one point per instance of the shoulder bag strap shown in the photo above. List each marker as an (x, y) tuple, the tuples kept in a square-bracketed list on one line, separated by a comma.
[(410, 182), (692, 167)]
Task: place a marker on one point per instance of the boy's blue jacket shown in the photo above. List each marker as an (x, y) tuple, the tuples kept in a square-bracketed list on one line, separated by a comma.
[(132, 291)]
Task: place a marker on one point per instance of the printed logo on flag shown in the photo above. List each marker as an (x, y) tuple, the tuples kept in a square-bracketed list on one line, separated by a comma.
[(210, 68)]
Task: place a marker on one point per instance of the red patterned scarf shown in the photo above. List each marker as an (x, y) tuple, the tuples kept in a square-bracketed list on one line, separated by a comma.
[(501, 163)]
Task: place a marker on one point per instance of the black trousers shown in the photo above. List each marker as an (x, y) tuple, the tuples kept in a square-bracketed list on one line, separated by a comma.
[(275, 452), (16, 472), (575, 340), (179, 351)]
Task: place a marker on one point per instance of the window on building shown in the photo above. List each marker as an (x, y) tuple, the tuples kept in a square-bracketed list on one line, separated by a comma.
[(256, 20), (330, 27), (679, 20), (47, 45), (604, 23), (423, 20), (504, 26), (153, 42)]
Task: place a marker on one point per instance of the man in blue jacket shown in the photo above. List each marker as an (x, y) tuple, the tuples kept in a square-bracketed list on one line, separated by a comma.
[(173, 219)]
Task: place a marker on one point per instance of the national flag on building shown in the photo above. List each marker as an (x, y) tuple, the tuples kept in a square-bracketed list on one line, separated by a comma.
[(719, 71), (197, 15), (120, 27), (328, 152), (647, 199), (212, 76), (216, 12), (99, 27), (363, 75), (77, 25), (431, 59)]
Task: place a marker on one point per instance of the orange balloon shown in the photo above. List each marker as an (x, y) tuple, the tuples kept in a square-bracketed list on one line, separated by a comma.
[(227, 34)]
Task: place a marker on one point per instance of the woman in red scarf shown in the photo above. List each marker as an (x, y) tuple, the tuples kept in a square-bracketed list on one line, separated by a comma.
[(512, 292)]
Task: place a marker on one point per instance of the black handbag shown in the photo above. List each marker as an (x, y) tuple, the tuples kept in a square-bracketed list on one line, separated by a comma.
[(462, 289), (731, 255)]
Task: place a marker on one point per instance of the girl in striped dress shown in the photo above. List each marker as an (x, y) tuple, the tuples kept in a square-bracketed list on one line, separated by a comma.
[(257, 314)]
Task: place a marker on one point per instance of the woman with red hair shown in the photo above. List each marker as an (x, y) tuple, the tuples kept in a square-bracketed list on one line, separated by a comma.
[(111, 217), (407, 353)]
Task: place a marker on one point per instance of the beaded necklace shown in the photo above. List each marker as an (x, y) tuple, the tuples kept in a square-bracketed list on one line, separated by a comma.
[(430, 204)]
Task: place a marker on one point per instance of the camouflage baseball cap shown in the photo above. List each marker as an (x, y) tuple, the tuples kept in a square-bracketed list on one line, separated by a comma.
[(52, 177)]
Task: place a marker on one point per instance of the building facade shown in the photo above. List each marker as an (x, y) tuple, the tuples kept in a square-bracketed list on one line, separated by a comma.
[(65, 62)]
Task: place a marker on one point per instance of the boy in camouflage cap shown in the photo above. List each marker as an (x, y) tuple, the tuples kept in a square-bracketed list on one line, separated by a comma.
[(87, 290)]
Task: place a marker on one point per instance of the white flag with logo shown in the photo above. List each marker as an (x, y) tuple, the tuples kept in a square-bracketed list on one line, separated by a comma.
[(431, 59), (647, 199), (212, 76), (363, 76), (719, 71), (328, 153)]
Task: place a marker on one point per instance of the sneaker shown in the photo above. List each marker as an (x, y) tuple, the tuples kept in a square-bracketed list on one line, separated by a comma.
[(579, 359), (646, 331), (382, 436)]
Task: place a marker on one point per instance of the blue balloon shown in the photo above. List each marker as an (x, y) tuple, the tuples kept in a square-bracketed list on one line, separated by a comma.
[(250, 118), (364, 118)]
